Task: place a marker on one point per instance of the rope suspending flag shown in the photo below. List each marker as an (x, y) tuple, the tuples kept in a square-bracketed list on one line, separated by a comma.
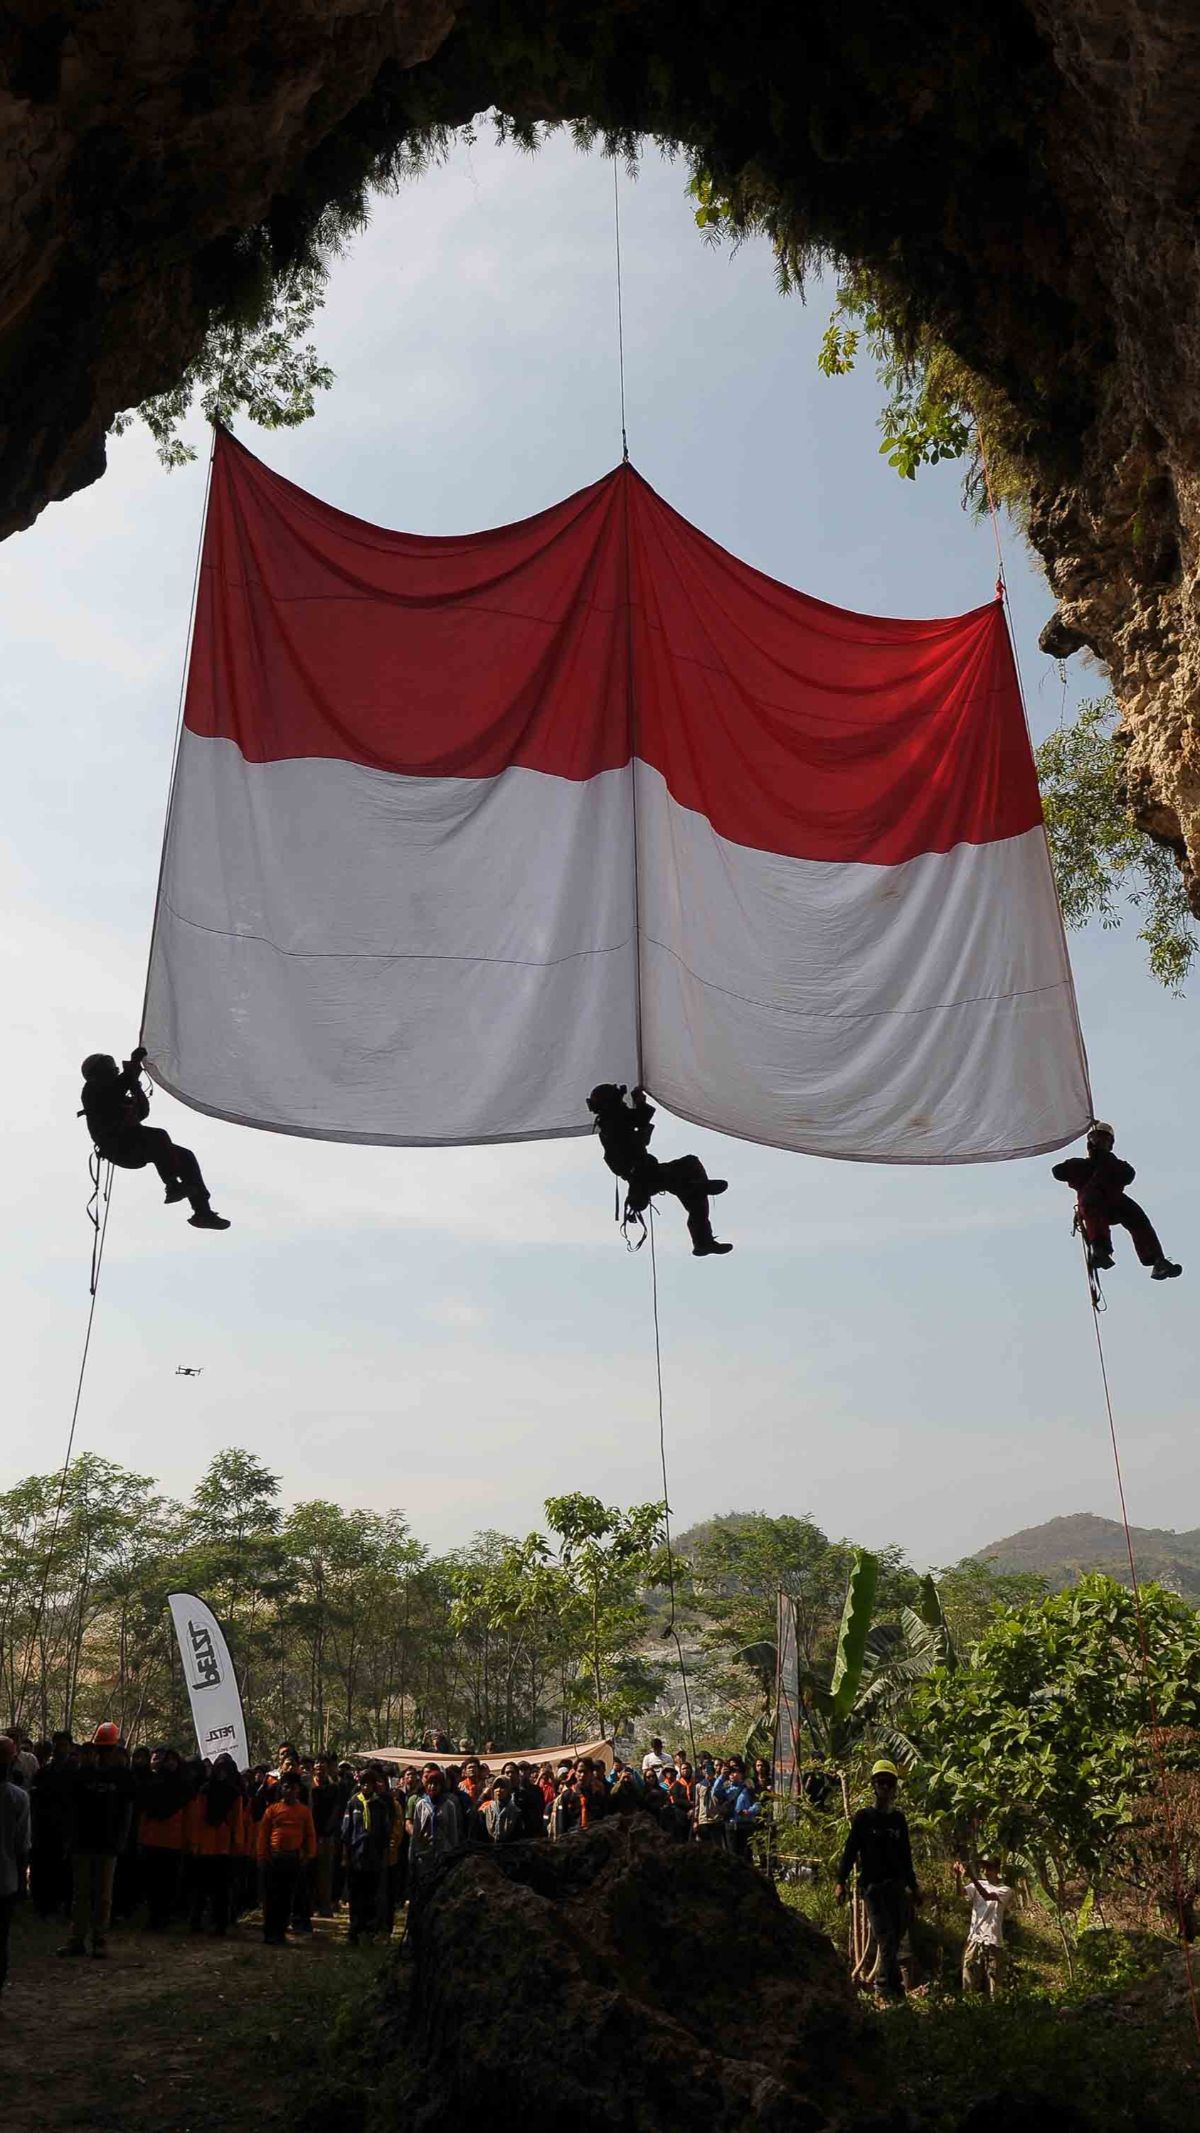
[(462, 826)]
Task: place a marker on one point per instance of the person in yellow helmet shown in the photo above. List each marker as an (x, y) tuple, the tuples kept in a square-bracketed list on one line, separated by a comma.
[(879, 1845), (1099, 1179)]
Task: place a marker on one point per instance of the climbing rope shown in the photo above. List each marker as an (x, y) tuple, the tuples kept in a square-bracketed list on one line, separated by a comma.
[(632, 1215), (1155, 1727), (98, 1207), (620, 308), (671, 1629), (100, 1173)]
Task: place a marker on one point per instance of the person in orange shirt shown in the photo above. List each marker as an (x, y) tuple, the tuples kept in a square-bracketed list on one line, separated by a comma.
[(212, 1832), (161, 1802), (286, 1840)]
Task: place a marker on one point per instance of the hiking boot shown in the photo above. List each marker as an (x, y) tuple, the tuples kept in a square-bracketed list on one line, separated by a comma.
[(71, 1947), (173, 1194), (99, 1944), (1100, 1258), (207, 1218), (706, 1250), (1166, 1270)]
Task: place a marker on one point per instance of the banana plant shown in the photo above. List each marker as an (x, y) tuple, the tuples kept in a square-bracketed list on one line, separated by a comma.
[(875, 1669)]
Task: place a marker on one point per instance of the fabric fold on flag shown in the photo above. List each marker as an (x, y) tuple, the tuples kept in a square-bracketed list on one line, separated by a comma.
[(461, 826)]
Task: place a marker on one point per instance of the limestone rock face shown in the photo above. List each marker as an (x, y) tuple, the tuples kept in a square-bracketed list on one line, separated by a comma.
[(620, 1981), (135, 135), (1121, 535)]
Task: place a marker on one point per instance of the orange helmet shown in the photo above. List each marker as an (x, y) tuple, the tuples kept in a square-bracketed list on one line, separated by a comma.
[(107, 1735)]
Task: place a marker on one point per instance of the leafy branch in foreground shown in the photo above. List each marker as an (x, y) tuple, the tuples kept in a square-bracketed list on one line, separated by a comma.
[(259, 361), (1101, 859), (926, 417)]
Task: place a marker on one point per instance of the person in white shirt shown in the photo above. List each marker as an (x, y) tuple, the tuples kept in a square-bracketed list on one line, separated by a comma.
[(654, 1759), (25, 1763), (983, 1956)]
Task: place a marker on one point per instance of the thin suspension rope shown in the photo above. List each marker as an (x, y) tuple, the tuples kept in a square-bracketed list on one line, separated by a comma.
[(100, 1198), (631, 708), (1001, 579), (187, 651), (620, 308), (101, 1194), (1156, 1741), (672, 1629), (1096, 1303), (662, 1453)]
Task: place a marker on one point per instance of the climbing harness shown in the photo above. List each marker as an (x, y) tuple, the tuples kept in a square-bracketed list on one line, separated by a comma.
[(1093, 1272)]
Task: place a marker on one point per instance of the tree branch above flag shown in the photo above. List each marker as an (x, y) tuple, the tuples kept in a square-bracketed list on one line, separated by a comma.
[(462, 826)]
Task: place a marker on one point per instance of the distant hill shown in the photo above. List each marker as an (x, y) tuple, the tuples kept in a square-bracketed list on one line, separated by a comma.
[(1065, 1549)]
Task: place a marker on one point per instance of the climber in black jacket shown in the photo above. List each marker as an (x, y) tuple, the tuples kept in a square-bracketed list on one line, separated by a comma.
[(1099, 1180), (115, 1106), (625, 1130)]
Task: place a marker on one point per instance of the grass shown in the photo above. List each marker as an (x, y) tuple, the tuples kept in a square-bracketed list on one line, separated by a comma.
[(183, 2033), (1109, 2049)]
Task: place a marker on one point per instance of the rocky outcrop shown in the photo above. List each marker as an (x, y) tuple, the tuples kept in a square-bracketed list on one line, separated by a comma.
[(1121, 536), (138, 140), (1026, 175), (620, 1981)]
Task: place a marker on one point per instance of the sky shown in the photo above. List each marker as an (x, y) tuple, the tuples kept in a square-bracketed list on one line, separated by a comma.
[(906, 1355)]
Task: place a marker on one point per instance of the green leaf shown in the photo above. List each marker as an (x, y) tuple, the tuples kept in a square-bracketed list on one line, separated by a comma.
[(852, 1632)]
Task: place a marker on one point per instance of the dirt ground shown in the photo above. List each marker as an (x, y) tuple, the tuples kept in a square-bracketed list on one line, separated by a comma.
[(171, 2033)]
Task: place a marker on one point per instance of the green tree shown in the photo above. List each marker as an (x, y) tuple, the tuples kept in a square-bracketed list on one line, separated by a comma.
[(519, 1618), (346, 1574), (608, 1556), (1040, 1743), (877, 1666), (738, 1566), (972, 1592), (1103, 863), (254, 357), (233, 1557)]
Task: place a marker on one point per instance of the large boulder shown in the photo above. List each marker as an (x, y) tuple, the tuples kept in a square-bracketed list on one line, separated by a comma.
[(618, 1980)]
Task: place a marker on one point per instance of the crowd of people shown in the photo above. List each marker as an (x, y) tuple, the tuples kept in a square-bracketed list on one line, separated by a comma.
[(99, 1832), (92, 1831)]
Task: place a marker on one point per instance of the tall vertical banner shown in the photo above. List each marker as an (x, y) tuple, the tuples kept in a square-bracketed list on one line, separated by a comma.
[(211, 1682), (787, 1701)]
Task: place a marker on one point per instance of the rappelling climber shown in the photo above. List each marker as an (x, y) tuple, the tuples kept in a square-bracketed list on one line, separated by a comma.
[(625, 1130), (115, 1106), (1099, 1179)]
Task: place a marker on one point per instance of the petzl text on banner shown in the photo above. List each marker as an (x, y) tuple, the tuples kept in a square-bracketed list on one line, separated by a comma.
[(211, 1682)]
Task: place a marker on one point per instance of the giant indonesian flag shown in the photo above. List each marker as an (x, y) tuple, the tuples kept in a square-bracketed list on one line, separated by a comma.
[(462, 826)]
